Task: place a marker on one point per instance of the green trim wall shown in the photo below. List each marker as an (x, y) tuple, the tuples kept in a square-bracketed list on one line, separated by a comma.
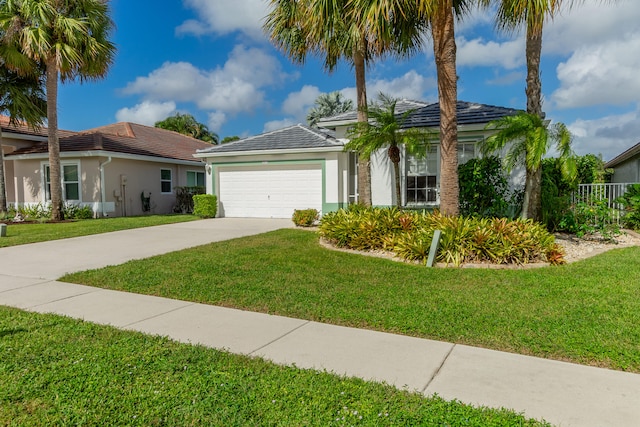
[(326, 207)]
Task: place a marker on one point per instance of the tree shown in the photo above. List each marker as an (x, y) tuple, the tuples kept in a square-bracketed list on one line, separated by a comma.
[(186, 124), (334, 30), (327, 105), (384, 130), (411, 19), (511, 15), (228, 139), (527, 139), (70, 39), (23, 98)]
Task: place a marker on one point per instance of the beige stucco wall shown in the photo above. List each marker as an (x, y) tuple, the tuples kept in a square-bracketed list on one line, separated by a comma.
[(122, 195)]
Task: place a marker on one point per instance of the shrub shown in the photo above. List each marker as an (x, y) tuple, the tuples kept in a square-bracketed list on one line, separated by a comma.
[(73, 211), (484, 189), (631, 202), (593, 215), (205, 205), (464, 239), (184, 199), (305, 217)]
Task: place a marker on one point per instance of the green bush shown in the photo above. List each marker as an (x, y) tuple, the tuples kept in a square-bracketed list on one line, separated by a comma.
[(593, 215), (305, 217), (631, 202), (73, 211), (484, 189), (464, 239), (205, 205)]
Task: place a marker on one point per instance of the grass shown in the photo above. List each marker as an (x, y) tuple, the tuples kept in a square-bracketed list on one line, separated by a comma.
[(21, 234), (60, 371), (587, 312)]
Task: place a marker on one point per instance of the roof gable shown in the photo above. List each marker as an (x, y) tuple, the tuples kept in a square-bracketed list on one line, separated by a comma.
[(290, 138), (624, 156)]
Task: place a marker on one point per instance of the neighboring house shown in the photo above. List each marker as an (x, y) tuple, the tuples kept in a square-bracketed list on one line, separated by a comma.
[(110, 168), (626, 166), (298, 167)]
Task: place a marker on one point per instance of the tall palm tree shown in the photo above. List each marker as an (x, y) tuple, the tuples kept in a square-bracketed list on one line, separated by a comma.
[(335, 30), (186, 124), (384, 130), (70, 39), (22, 97), (527, 139), (327, 105), (511, 16), (411, 18)]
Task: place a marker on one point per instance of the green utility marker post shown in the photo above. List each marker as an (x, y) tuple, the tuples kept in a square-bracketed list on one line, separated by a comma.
[(435, 243), (3, 230)]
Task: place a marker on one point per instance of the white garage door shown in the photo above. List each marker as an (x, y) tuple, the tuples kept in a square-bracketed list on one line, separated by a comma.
[(270, 192)]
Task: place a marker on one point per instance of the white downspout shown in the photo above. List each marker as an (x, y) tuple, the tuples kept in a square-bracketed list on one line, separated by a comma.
[(103, 190)]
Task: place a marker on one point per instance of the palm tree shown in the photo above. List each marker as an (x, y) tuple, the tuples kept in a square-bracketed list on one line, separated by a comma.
[(327, 105), (70, 39), (334, 30), (411, 19), (511, 15), (22, 97), (527, 139), (186, 124), (384, 130)]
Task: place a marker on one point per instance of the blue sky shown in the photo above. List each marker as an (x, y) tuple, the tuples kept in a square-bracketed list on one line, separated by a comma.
[(210, 58)]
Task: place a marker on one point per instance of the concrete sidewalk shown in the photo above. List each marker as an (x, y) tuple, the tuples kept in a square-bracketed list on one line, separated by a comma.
[(562, 393)]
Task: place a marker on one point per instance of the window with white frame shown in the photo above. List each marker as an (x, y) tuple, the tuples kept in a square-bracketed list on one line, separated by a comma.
[(165, 181), (421, 178), (195, 179), (70, 182), (466, 152)]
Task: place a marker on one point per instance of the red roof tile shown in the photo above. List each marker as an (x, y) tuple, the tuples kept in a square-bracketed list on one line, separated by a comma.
[(127, 138)]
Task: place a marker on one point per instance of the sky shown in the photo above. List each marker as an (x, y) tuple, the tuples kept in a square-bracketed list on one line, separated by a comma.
[(211, 59)]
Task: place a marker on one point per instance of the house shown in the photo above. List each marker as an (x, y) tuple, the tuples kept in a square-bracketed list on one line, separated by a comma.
[(121, 169), (626, 166), (271, 174)]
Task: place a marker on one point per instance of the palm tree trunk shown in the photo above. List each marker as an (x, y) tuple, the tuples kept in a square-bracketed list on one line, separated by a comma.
[(444, 47), (534, 85), (55, 176), (3, 186), (364, 165), (534, 106)]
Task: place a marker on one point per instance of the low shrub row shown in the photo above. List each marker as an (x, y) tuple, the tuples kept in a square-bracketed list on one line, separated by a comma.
[(42, 212), (408, 234)]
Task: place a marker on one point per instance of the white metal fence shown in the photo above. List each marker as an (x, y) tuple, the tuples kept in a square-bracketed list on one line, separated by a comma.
[(589, 193)]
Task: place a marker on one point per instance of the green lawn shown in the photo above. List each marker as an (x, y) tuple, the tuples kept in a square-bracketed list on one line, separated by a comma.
[(59, 371), (20, 234), (587, 312)]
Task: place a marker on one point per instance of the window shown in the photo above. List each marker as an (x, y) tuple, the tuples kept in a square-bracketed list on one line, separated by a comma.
[(70, 182), (195, 179), (421, 179), (466, 152), (165, 181)]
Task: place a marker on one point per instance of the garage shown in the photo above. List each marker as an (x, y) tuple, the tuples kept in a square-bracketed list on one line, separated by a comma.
[(269, 191)]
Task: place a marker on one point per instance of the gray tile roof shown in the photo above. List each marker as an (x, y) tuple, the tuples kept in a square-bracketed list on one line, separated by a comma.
[(290, 138), (402, 106), (467, 113)]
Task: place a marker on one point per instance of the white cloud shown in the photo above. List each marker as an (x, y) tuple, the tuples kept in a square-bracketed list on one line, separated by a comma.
[(608, 136), (224, 17), (215, 120), (298, 103), (278, 124), (235, 87), (411, 85), (600, 74), (508, 54), (146, 113)]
